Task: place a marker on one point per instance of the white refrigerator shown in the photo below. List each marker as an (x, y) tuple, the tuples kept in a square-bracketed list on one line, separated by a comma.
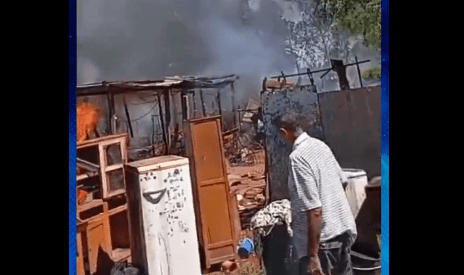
[(162, 219)]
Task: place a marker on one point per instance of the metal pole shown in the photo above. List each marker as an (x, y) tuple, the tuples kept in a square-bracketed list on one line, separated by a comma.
[(323, 70), (359, 72)]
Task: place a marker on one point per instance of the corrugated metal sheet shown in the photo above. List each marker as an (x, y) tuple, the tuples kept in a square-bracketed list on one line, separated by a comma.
[(175, 81)]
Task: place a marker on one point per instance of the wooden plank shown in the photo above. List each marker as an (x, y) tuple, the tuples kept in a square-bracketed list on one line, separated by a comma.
[(96, 141), (89, 205), (114, 141), (120, 254), (220, 244), (104, 179), (117, 209), (114, 167), (115, 193), (86, 165), (86, 176)]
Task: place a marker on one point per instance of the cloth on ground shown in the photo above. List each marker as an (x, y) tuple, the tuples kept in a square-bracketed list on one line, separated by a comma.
[(277, 212)]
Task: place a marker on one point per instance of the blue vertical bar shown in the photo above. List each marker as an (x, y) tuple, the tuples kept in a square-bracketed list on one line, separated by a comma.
[(72, 137), (385, 137)]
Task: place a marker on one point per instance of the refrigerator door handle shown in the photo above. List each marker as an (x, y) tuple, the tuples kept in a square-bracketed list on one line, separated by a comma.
[(149, 196)]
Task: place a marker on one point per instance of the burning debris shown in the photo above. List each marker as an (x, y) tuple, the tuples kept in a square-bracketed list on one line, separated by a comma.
[(86, 121)]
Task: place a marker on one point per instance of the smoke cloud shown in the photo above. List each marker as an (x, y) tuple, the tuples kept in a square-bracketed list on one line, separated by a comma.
[(151, 39)]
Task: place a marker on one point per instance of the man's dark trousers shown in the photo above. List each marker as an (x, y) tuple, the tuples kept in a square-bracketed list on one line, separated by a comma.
[(334, 256)]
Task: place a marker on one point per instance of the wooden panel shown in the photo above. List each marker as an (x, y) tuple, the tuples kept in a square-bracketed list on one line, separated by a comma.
[(214, 209), (218, 253), (96, 237), (207, 149), (219, 225)]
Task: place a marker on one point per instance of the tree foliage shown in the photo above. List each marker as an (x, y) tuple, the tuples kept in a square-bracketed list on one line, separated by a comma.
[(372, 73), (316, 38), (360, 17)]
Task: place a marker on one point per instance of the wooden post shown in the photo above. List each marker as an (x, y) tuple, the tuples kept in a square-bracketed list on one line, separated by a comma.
[(239, 124), (185, 107), (340, 69), (220, 107), (203, 107), (111, 110), (194, 104), (232, 86), (167, 111), (129, 125), (162, 123)]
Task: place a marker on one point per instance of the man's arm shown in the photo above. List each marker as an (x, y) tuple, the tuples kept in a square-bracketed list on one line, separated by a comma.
[(314, 230), (309, 202)]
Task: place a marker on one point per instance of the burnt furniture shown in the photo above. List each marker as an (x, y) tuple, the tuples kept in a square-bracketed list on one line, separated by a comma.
[(215, 208), (102, 229)]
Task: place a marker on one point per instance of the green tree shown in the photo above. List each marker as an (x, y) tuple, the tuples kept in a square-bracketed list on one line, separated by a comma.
[(316, 38), (372, 73), (360, 17)]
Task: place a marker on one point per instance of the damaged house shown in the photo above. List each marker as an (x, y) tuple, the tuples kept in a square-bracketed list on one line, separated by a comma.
[(124, 122), (151, 112)]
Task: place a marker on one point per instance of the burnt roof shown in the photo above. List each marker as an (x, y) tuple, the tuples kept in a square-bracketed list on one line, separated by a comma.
[(184, 82)]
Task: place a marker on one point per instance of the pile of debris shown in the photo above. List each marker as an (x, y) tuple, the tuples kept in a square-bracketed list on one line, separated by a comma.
[(249, 190), (243, 150)]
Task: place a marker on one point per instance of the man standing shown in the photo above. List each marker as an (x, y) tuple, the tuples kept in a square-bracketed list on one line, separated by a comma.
[(323, 225)]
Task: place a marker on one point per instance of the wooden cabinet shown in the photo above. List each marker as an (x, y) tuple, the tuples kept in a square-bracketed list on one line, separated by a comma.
[(102, 203), (214, 208)]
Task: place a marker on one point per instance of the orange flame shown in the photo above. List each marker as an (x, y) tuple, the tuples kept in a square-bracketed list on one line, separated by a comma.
[(86, 120)]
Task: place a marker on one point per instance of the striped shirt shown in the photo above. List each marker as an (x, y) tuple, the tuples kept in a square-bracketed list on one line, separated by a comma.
[(315, 180)]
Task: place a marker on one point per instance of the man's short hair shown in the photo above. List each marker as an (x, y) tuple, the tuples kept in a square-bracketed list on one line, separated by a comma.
[(288, 120)]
